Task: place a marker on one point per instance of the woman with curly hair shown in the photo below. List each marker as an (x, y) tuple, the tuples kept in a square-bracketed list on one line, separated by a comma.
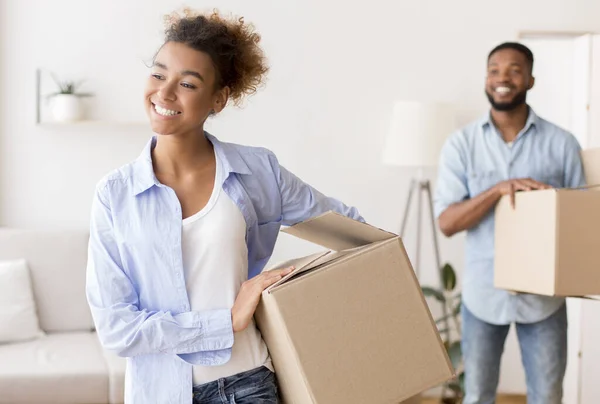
[(179, 237)]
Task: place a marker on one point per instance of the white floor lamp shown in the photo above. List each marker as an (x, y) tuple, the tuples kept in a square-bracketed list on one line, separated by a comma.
[(416, 136)]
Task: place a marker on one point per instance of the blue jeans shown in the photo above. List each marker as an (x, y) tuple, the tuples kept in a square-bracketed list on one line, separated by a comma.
[(543, 351), (257, 386)]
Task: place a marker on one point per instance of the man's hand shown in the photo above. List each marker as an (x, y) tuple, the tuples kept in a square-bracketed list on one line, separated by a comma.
[(247, 299), (509, 187)]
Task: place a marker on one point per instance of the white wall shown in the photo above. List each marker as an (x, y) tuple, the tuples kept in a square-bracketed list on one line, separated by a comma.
[(337, 66)]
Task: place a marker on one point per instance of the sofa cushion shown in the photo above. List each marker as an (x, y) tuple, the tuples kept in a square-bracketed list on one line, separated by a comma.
[(57, 263), (116, 377), (65, 368), (18, 317)]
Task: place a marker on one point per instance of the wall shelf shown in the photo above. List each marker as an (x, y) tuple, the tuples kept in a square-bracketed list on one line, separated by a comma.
[(42, 120)]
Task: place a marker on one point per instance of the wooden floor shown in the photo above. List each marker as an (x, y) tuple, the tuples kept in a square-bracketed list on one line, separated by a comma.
[(501, 400)]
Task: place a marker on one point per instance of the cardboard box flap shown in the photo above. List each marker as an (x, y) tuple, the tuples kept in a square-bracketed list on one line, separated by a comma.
[(308, 263), (300, 264), (337, 232)]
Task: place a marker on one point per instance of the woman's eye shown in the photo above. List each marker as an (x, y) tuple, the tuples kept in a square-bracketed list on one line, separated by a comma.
[(157, 76), (188, 85)]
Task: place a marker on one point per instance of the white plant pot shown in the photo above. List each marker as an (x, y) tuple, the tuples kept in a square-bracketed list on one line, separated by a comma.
[(66, 108)]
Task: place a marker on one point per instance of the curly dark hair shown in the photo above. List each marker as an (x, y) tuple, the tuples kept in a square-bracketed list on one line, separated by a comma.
[(232, 44)]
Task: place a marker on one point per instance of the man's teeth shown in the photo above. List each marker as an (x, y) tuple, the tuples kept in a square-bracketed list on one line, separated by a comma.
[(164, 111), (502, 90)]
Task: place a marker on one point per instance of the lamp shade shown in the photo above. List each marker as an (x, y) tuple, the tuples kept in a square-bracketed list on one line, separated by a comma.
[(417, 133)]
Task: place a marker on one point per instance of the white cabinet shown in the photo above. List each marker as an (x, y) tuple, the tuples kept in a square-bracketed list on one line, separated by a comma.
[(567, 92)]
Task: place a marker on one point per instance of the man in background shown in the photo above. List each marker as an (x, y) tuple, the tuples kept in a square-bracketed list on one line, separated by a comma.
[(509, 149)]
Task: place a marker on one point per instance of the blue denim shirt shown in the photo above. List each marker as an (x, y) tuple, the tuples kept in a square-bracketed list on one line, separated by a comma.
[(135, 279), (477, 158)]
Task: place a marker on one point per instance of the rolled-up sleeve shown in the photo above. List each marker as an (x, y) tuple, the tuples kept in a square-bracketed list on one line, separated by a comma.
[(126, 329), (451, 185)]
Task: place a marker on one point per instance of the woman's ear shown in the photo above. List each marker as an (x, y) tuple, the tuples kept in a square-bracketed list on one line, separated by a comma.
[(221, 99)]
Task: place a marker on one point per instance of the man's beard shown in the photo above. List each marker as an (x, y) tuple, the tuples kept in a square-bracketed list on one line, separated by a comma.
[(517, 101)]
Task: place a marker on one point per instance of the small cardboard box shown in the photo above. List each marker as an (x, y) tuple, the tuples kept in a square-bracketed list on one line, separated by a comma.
[(351, 325), (549, 244)]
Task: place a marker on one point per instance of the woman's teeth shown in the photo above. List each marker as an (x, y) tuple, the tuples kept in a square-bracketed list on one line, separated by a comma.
[(503, 90), (163, 111)]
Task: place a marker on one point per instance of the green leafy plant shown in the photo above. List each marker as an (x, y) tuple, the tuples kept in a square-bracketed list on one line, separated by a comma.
[(449, 328), (68, 88)]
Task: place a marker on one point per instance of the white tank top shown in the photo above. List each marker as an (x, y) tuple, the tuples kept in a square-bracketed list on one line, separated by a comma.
[(215, 261)]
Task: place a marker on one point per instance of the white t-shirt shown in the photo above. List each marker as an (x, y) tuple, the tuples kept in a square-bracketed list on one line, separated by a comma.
[(215, 261)]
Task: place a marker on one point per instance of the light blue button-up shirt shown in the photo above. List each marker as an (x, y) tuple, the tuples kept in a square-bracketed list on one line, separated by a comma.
[(477, 158), (135, 280)]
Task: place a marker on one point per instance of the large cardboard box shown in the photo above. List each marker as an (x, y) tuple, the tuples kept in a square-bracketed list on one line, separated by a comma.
[(350, 325), (549, 244)]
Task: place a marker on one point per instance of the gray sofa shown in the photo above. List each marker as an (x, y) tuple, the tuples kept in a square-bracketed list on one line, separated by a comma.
[(67, 364)]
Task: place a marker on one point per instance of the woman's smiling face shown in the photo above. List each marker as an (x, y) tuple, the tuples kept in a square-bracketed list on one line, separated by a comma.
[(181, 91)]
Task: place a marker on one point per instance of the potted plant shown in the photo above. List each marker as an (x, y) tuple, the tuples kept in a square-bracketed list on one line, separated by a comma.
[(450, 330), (66, 102)]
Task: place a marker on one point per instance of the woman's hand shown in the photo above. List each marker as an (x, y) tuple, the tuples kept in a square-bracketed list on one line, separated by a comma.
[(247, 299)]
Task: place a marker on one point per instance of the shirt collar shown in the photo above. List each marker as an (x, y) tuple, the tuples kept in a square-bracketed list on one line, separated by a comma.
[(143, 171), (532, 120)]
